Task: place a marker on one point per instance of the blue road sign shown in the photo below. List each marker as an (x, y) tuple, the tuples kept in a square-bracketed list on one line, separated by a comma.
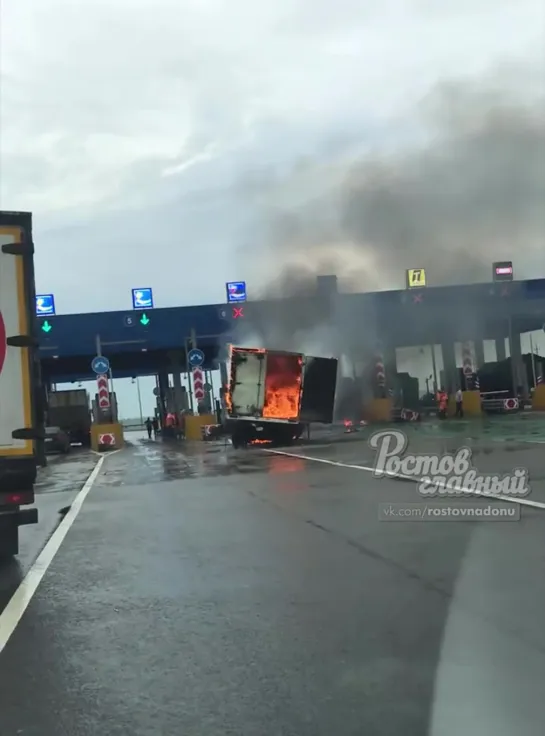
[(236, 291), (100, 365), (45, 305), (142, 298), (195, 357)]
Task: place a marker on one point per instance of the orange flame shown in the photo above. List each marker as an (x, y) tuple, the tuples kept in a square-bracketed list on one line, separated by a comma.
[(228, 400), (261, 442), (227, 389), (283, 386)]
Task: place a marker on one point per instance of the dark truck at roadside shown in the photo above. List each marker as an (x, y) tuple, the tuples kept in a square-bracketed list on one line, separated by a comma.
[(70, 410)]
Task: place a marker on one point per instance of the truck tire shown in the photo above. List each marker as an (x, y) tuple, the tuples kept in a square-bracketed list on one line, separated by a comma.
[(9, 542), (282, 436), (298, 431), (239, 438)]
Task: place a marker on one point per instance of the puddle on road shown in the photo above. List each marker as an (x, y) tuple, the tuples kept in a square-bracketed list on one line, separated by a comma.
[(67, 473), (153, 462)]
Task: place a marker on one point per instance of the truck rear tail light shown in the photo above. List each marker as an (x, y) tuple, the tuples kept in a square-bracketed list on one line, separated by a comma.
[(17, 499)]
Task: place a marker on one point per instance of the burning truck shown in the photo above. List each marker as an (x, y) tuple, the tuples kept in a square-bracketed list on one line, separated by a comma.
[(273, 395)]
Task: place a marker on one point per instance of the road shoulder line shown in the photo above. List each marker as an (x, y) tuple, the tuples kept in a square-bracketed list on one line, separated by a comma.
[(18, 603), (368, 469)]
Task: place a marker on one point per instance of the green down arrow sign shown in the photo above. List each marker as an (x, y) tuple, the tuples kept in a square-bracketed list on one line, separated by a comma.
[(144, 319), (46, 327)]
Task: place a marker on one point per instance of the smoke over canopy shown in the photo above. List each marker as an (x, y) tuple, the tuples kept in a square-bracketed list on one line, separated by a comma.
[(472, 194)]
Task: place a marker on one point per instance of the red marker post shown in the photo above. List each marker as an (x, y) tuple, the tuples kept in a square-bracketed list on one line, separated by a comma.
[(103, 391), (198, 383)]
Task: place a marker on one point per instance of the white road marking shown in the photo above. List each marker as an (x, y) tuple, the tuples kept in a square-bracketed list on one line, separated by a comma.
[(20, 600), (368, 469)]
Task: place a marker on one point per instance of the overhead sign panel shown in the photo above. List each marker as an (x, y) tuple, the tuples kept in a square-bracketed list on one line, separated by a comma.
[(236, 291), (45, 305), (503, 271), (142, 298), (416, 278)]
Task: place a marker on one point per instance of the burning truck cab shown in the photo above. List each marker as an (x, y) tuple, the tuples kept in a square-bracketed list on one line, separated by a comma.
[(272, 395)]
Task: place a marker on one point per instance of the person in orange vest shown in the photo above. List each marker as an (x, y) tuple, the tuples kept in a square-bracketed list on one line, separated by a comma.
[(169, 424), (442, 402)]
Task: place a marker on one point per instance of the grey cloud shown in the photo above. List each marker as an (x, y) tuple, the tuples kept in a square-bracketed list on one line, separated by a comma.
[(473, 195), (97, 107)]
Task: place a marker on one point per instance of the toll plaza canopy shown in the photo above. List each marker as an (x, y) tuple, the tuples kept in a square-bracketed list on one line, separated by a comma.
[(405, 317)]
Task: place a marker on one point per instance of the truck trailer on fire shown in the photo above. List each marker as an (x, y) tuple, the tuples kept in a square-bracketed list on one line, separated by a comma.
[(272, 395)]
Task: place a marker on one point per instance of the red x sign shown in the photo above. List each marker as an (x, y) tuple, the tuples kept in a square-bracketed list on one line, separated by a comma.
[(238, 312), (417, 299)]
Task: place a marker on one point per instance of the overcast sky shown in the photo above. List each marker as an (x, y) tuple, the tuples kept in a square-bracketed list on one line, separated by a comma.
[(182, 143)]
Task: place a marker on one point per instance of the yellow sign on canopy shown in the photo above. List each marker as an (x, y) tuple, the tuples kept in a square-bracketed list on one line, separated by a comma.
[(416, 278)]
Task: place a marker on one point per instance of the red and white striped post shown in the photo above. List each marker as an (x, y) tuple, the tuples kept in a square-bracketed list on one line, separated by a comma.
[(198, 384), (468, 363), (103, 391)]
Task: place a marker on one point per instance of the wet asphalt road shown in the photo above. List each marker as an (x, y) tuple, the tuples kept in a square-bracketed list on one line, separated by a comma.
[(57, 486), (215, 592)]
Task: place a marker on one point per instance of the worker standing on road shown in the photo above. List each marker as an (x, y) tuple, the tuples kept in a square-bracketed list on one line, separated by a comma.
[(149, 427), (178, 425), (459, 403), (170, 431), (155, 425), (442, 401)]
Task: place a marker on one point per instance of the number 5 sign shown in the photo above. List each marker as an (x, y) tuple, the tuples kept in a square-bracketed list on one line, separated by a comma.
[(416, 278)]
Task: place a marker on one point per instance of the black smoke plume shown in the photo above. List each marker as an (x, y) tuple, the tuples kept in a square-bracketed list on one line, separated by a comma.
[(471, 193)]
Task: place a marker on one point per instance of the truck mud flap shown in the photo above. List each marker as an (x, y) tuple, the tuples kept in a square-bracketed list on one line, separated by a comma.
[(27, 516), (21, 517)]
